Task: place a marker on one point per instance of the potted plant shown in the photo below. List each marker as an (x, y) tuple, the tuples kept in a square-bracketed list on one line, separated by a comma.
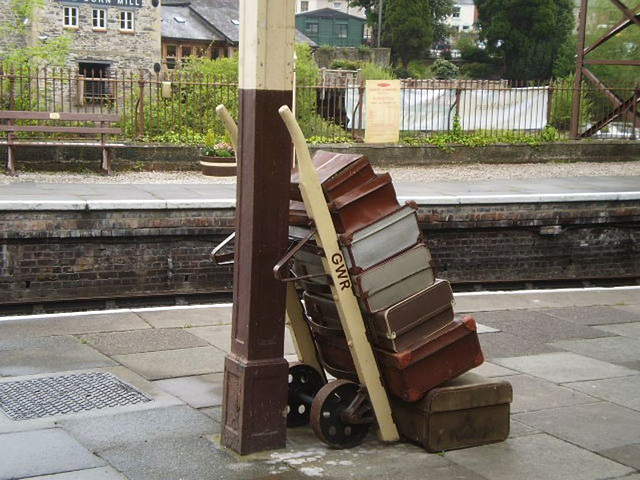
[(217, 158)]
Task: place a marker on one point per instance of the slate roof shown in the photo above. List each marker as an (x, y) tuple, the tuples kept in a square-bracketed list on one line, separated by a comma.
[(206, 20), (181, 22), (328, 13)]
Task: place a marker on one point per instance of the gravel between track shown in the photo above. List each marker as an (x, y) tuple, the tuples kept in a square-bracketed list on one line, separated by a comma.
[(440, 173)]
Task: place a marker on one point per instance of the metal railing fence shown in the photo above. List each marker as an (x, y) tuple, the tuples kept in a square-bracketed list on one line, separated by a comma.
[(179, 106)]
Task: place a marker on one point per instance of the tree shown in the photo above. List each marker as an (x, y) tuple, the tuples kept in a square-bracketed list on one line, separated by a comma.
[(409, 27), (527, 34)]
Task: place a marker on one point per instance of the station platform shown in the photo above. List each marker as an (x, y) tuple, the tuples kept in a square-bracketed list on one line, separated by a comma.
[(82, 196), (572, 357)]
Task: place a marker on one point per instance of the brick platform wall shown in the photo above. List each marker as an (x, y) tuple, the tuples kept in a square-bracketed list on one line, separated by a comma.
[(71, 255), (67, 255)]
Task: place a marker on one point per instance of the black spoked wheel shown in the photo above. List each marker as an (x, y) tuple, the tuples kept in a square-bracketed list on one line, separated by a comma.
[(328, 417), (304, 383)]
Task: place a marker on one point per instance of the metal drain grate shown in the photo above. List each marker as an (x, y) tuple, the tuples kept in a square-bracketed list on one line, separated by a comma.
[(43, 397)]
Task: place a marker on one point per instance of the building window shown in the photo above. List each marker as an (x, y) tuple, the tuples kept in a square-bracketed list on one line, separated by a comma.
[(70, 17), (171, 52), (126, 21), (304, 6), (456, 12), (99, 18), (96, 81), (341, 30), (312, 28), (337, 5)]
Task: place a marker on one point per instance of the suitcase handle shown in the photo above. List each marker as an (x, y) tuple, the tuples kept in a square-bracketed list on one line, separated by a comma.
[(223, 258), (281, 273)]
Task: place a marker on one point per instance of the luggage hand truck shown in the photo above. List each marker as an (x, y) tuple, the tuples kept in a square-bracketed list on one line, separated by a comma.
[(341, 410)]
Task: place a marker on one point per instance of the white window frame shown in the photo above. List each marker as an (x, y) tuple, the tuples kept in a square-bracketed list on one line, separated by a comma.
[(304, 6), (99, 19), (70, 16), (127, 21)]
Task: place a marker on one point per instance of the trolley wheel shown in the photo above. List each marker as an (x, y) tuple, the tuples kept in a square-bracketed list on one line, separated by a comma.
[(304, 383), (333, 418)]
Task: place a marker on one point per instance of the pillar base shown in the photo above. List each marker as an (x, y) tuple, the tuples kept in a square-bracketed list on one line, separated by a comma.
[(255, 397)]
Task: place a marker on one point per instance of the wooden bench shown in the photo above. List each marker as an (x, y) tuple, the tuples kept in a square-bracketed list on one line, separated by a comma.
[(96, 125)]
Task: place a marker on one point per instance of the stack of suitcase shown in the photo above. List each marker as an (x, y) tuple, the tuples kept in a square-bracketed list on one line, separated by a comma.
[(417, 340)]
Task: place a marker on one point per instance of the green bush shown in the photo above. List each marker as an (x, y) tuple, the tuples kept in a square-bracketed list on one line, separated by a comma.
[(444, 69), (562, 104)]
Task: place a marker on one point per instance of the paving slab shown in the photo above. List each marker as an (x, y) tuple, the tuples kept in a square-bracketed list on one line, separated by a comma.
[(622, 298), (627, 455), (220, 337), (623, 351), (537, 457), (105, 473), (52, 354), (623, 329), (199, 391), (536, 326), (139, 341), (174, 363), (596, 427), (594, 315), (473, 302), (213, 412), (518, 429), (69, 324), (43, 452), (109, 431), (624, 391), (532, 394), (188, 317), (587, 297), (371, 460), (488, 369), (564, 367), (185, 458), (500, 344)]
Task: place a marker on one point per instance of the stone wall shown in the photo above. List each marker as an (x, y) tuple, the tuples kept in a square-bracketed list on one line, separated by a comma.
[(54, 256), (135, 50), (172, 157)]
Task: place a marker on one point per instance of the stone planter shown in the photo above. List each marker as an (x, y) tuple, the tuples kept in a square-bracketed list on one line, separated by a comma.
[(218, 166)]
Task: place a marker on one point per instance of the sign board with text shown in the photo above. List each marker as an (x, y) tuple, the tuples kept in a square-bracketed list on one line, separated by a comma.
[(383, 111)]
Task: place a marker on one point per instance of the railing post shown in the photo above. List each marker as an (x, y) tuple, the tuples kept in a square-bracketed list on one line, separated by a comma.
[(141, 83), (12, 86), (634, 110), (549, 101)]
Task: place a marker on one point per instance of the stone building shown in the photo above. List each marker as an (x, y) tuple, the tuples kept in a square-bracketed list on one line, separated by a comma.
[(107, 34)]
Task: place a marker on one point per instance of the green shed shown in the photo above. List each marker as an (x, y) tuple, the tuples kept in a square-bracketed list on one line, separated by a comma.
[(327, 26)]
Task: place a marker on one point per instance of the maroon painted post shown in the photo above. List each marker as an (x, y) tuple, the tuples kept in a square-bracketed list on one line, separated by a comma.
[(256, 373), (577, 85)]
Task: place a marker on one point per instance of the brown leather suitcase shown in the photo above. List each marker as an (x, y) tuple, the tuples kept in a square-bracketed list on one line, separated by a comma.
[(298, 213), (440, 357), (469, 411), (394, 279), (338, 173), (308, 264), (322, 309), (382, 239), (324, 322), (364, 204), (408, 322)]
